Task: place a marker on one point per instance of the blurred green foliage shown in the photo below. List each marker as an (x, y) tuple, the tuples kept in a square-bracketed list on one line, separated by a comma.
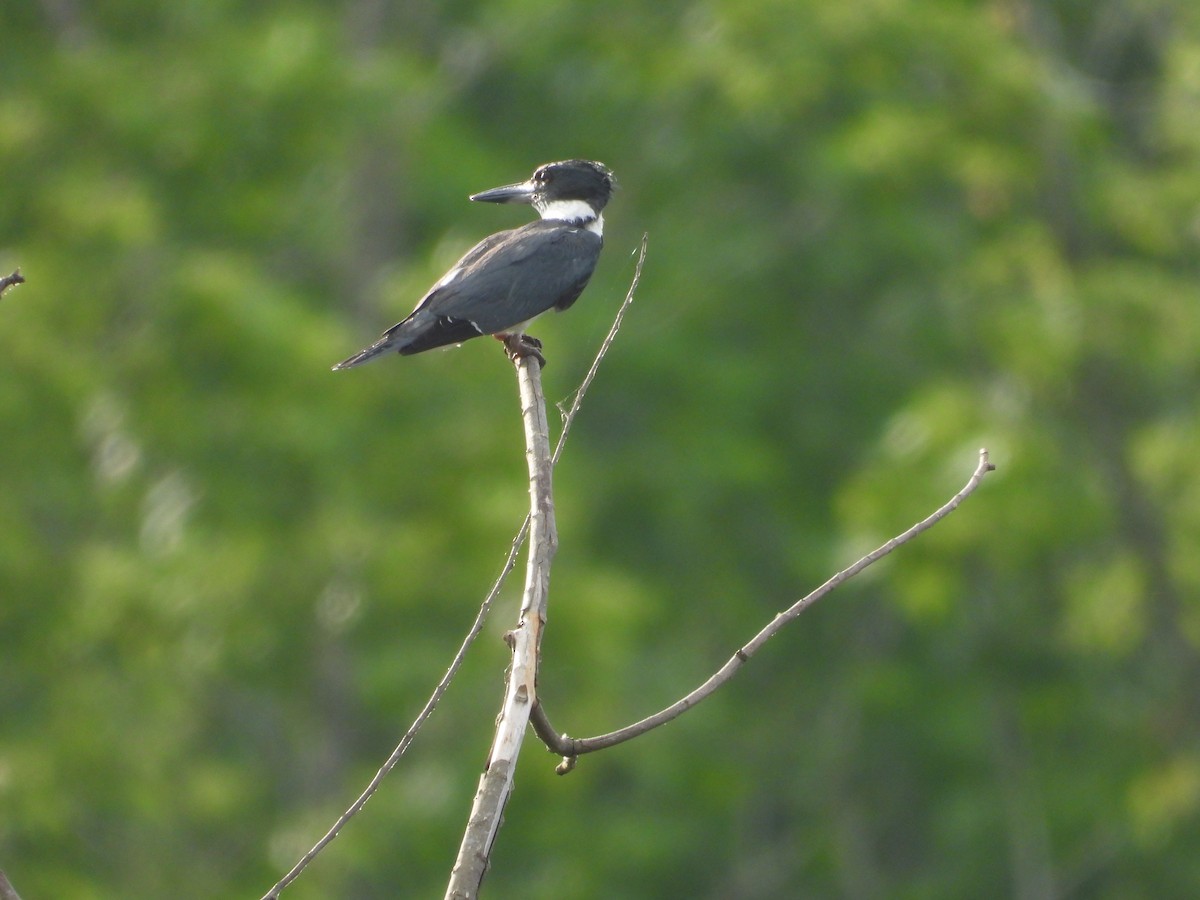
[(882, 235)]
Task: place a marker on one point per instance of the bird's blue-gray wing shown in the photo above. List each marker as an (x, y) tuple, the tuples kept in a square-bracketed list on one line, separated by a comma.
[(502, 283)]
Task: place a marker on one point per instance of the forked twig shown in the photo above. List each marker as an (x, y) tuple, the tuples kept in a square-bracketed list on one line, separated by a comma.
[(439, 691), (571, 748), (426, 712), (520, 690), (520, 696), (7, 891), (568, 414), (9, 280)]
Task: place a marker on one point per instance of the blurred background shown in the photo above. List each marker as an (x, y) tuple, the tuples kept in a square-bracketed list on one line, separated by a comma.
[(882, 234)]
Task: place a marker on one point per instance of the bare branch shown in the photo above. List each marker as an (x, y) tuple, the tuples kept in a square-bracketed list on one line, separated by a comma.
[(409, 735), (568, 415), (521, 690), (477, 626), (7, 891), (496, 783), (9, 280), (569, 748)]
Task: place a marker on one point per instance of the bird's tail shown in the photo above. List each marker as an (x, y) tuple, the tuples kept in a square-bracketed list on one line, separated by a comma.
[(381, 346)]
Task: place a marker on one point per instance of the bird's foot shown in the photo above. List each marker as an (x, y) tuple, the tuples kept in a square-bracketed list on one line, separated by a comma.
[(518, 346)]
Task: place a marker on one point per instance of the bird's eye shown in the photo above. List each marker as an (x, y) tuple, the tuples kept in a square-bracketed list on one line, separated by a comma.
[(542, 176)]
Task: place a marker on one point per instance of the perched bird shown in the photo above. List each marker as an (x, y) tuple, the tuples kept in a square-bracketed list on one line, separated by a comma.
[(507, 280)]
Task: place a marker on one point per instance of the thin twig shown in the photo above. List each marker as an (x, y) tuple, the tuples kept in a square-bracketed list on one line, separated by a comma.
[(520, 693), (430, 705), (518, 542), (568, 415), (7, 891), (570, 748), (8, 281)]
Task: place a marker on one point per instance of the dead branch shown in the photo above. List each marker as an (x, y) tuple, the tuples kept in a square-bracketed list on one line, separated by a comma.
[(571, 748), (7, 891), (568, 413), (9, 280), (407, 739), (515, 546), (525, 640)]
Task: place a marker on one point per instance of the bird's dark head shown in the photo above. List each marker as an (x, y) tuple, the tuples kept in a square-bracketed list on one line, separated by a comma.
[(572, 190)]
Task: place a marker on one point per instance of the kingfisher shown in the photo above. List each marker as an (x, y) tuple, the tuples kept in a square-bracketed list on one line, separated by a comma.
[(507, 280)]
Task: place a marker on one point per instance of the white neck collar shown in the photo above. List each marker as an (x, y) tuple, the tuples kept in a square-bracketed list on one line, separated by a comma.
[(577, 212)]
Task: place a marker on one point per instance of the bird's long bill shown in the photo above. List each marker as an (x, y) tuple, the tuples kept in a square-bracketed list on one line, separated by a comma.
[(510, 193)]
